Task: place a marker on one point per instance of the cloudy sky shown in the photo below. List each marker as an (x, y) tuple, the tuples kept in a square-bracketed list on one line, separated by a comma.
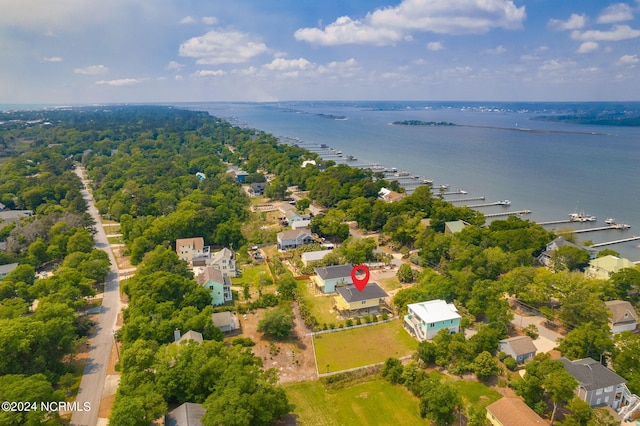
[(85, 51)]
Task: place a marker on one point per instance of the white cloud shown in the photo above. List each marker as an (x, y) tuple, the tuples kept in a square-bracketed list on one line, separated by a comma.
[(575, 22), (498, 50), (209, 20), (178, 77), (587, 46), (555, 65), (281, 64), (346, 69), (628, 60), (52, 59), (615, 13), (187, 20), (119, 82), (92, 70), (389, 25), (173, 65), (434, 46), (617, 33), (220, 47), (208, 73), (348, 31)]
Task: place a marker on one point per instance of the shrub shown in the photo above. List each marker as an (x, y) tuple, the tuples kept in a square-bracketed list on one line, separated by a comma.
[(510, 363), (349, 322)]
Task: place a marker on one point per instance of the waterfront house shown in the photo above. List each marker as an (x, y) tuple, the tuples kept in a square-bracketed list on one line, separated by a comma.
[(425, 319), (353, 303), (623, 316), (454, 226), (512, 412), (294, 238), (187, 414), (597, 384), (389, 196), (602, 267), (545, 257), (189, 249), (7, 269), (218, 284), (225, 261), (313, 256), (328, 277), (520, 348)]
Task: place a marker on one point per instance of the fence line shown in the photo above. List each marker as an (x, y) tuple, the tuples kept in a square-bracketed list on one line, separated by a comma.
[(313, 333), (348, 370)]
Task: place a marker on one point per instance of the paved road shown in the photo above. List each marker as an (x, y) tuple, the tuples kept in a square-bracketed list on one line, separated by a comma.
[(95, 371)]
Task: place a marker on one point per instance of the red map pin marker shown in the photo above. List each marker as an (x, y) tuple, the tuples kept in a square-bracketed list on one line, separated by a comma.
[(362, 282)]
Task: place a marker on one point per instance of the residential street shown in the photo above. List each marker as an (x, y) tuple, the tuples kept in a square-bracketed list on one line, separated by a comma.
[(93, 379), (547, 339)]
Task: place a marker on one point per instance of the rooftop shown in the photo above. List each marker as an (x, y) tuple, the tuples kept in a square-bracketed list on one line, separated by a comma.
[(212, 274), (621, 311), (434, 310), (521, 345), (187, 414), (514, 412), (293, 233), (337, 271), (351, 294), (591, 374)]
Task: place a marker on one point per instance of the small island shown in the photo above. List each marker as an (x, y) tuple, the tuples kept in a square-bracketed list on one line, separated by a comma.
[(422, 123), (333, 117)]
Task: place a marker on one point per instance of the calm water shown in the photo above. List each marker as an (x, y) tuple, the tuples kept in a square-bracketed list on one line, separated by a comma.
[(595, 169)]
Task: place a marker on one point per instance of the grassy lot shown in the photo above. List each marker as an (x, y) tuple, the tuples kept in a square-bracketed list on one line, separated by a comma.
[(320, 306), (389, 284), (476, 394), (251, 275), (376, 402), (362, 346)]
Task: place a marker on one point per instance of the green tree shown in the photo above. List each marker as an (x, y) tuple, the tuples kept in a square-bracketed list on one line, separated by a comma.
[(439, 401), (587, 340), (81, 241), (485, 366), (277, 323), (392, 370), (287, 287), (567, 258), (405, 273), (559, 386), (625, 359)]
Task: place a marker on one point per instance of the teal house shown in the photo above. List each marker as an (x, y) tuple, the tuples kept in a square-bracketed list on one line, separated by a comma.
[(218, 284), (425, 319)]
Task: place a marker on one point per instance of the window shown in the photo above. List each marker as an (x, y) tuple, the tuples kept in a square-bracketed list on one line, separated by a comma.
[(210, 287), (599, 392), (608, 389), (432, 325), (364, 302)]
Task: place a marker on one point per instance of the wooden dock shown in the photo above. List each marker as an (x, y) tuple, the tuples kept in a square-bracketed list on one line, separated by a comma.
[(608, 243), (456, 192), (553, 222), (463, 200), (495, 203), (599, 228), (511, 213)]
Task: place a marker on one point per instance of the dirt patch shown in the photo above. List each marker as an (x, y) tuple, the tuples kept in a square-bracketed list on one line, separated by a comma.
[(294, 359), (107, 402)]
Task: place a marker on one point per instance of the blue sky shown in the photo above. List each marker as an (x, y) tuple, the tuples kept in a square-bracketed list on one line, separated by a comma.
[(86, 51)]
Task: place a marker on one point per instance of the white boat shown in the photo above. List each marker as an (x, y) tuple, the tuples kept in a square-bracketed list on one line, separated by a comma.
[(581, 217), (610, 221), (504, 203)]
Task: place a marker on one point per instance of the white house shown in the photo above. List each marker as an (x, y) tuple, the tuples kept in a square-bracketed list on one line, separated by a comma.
[(225, 261), (313, 256), (294, 238), (623, 316), (426, 319)]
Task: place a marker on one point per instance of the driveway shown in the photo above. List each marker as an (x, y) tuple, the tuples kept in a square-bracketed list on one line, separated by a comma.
[(547, 339), (95, 371)]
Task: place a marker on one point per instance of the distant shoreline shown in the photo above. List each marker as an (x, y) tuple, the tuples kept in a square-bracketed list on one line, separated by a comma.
[(513, 129)]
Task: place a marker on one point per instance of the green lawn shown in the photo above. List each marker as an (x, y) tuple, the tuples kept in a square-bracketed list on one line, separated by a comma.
[(362, 346), (251, 275), (320, 306), (371, 403), (389, 284), (476, 394)]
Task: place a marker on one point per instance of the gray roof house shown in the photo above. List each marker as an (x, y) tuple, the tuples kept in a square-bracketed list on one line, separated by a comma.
[(623, 316), (294, 238), (545, 257), (187, 414), (7, 269), (227, 322), (196, 336), (351, 302), (597, 384), (520, 348), (313, 256), (328, 277)]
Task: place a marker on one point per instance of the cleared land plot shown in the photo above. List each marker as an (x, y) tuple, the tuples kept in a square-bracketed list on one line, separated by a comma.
[(371, 403), (362, 346)]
